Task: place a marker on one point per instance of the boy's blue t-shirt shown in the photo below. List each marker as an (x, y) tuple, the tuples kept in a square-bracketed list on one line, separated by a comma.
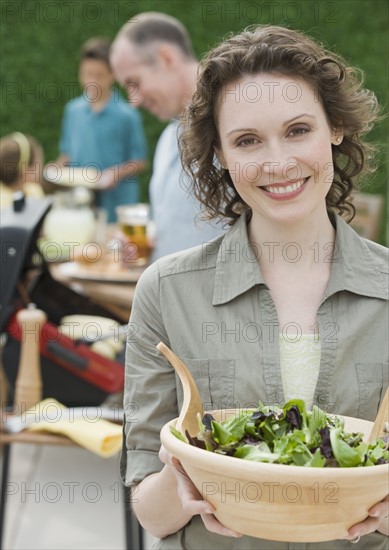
[(104, 139)]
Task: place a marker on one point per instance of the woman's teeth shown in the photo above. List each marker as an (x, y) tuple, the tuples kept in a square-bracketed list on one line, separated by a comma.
[(285, 189)]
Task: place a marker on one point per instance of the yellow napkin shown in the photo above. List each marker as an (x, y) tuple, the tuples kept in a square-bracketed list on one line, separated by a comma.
[(99, 436)]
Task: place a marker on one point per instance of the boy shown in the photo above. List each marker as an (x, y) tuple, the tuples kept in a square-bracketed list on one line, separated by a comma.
[(101, 130)]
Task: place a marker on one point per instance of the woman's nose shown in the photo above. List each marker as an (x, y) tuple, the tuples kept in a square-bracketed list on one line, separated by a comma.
[(276, 163)]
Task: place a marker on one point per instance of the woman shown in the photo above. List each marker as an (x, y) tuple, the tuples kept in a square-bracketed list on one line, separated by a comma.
[(272, 140)]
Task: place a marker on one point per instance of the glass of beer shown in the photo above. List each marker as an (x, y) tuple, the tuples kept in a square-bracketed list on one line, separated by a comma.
[(133, 220)]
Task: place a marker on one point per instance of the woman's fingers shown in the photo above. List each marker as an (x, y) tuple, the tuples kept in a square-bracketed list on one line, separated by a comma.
[(376, 515), (164, 455), (381, 509), (196, 507), (213, 525), (367, 526), (191, 500)]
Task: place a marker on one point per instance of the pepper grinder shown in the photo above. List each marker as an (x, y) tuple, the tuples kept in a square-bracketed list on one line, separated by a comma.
[(28, 387)]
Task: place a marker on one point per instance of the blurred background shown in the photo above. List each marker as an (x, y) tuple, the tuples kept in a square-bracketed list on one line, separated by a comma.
[(40, 42)]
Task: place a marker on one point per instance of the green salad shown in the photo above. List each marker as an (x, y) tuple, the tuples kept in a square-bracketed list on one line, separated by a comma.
[(291, 434)]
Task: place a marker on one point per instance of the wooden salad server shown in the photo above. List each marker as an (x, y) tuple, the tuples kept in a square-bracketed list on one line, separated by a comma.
[(192, 404), (378, 429)]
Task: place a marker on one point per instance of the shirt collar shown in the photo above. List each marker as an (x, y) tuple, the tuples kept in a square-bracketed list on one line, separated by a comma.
[(354, 267), (107, 105), (236, 266)]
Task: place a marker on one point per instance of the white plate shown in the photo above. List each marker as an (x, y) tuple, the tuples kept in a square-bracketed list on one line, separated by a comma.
[(76, 270), (71, 176)]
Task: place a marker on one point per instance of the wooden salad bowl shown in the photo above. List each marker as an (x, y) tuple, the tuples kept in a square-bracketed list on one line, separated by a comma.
[(281, 502)]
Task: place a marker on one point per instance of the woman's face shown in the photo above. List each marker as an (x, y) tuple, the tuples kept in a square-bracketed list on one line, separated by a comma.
[(275, 141)]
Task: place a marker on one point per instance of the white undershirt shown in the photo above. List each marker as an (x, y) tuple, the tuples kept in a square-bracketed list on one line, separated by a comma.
[(300, 365)]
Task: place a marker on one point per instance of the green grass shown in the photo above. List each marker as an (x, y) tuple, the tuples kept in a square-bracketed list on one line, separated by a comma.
[(40, 40)]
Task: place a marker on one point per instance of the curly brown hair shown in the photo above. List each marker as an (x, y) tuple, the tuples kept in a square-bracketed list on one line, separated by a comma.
[(278, 50)]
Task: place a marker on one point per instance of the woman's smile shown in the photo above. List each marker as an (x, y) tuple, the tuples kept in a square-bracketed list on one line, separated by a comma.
[(285, 191)]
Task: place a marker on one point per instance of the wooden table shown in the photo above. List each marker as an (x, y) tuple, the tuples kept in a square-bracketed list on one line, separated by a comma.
[(104, 278), (114, 296)]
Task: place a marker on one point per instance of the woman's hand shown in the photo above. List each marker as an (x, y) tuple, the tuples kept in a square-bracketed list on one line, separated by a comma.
[(191, 500), (374, 521)]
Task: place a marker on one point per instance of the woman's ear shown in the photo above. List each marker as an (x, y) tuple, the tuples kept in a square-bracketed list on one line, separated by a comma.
[(337, 136)]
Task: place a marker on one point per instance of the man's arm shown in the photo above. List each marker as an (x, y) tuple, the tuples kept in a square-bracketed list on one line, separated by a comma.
[(112, 175), (62, 160)]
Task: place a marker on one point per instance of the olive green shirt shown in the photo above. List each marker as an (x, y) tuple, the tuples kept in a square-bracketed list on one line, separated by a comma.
[(211, 306)]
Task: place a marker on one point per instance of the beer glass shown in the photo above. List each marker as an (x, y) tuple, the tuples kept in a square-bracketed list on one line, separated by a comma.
[(133, 220)]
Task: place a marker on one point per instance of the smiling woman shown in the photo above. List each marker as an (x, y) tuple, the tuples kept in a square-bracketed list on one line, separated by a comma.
[(259, 71), (273, 140)]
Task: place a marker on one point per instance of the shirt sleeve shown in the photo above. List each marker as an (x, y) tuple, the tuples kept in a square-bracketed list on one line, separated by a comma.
[(64, 142), (150, 398), (137, 145)]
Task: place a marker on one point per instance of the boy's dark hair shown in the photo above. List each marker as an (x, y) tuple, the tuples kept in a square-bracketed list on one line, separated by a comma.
[(96, 48)]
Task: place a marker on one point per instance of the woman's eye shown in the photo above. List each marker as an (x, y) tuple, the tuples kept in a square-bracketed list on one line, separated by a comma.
[(299, 131), (246, 141)]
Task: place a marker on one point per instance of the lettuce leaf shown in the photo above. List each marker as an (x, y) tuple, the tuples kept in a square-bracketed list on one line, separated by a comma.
[(291, 434), (345, 455), (260, 453)]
